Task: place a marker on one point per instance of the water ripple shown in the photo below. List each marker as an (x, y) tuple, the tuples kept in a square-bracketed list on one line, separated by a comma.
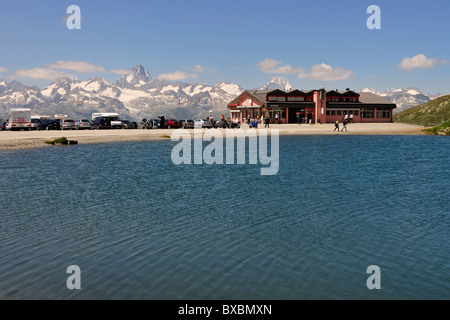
[(142, 228)]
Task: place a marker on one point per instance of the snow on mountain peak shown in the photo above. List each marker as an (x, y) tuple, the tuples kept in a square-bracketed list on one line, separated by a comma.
[(403, 98), (138, 76), (277, 83), (371, 90), (229, 88)]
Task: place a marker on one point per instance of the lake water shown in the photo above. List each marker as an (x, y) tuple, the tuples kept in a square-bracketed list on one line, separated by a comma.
[(140, 227)]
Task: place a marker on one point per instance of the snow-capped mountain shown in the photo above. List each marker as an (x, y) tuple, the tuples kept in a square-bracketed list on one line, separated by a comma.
[(17, 94), (404, 98), (136, 78), (135, 96), (277, 83)]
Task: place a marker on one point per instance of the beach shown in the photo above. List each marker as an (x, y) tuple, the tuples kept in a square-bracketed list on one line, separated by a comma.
[(15, 140)]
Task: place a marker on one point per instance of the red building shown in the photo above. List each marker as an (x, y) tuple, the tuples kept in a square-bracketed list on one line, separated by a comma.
[(295, 106)]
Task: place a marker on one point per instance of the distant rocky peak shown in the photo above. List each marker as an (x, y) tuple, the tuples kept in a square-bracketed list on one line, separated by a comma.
[(277, 82), (137, 76)]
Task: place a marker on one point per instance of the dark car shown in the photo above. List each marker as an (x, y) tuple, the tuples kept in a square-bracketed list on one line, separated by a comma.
[(3, 126), (172, 123), (127, 124), (187, 124), (107, 123), (135, 125), (49, 125)]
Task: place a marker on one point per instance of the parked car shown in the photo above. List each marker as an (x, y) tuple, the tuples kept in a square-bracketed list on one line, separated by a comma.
[(187, 124), (107, 123), (198, 124), (135, 125), (83, 124), (67, 124), (206, 123), (49, 125), (34, 123), (172, 123), (3, 126), (127, 124)]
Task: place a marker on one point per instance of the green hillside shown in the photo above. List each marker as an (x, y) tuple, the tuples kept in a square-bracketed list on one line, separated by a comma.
[(442, 130), (433, 113)]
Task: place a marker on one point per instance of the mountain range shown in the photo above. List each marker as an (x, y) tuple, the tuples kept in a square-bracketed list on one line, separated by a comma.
[(135, 96), (404, 98), (138, 95)]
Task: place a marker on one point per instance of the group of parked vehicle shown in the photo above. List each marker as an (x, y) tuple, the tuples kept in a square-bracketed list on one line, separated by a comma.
[(69, 124), (21, 119), (188, 124)]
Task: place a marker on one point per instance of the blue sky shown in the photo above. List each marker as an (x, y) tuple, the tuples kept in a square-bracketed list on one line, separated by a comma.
[(245, 42)]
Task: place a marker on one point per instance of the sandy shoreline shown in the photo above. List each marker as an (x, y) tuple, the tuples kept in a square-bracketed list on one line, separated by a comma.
[(14, 140)]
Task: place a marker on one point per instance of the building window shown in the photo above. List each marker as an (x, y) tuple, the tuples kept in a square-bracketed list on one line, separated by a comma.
[(350, 112), (356, 113), (338, 112), (295, 99), (328, 112), (333, 112), (383, 113), (281, 113), (366, 113), (344, 112), (272, 98)]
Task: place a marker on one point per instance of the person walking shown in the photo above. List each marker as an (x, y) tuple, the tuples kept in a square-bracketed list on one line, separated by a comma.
[(351, 118), (345, 125), (276, 118), (309, 118), (267, 122), (336, 125)]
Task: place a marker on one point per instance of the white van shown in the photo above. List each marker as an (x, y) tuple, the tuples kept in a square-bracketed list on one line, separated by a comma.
[(19, 119), (105, 114)]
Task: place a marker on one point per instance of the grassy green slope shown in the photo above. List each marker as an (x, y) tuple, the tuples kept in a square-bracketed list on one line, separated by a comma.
[(442, 130), (432, 113)]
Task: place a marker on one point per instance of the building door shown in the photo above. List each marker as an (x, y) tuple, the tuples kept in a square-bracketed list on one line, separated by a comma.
[(293, 115)]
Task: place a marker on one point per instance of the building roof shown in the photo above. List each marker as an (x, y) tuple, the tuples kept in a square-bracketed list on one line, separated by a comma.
[(370, 98), (364, 97), (258, 95)]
